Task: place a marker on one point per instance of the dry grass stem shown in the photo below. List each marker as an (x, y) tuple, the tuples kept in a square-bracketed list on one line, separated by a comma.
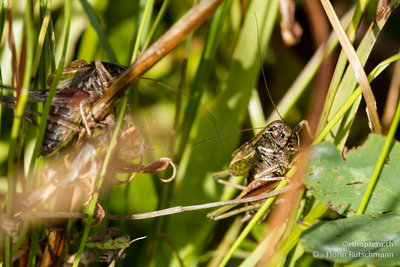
[(356, 65)]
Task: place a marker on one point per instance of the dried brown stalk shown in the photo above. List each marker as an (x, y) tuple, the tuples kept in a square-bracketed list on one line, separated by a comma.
[(355, 63), (168, 41)]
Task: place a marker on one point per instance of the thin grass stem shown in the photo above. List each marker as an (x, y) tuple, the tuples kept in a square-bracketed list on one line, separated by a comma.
[(254, 220), (52, 91), (99, 30), (145, 17), (353, 98), (40, 43), (22, 100), (155, 24), (381, 161), (358, 69)]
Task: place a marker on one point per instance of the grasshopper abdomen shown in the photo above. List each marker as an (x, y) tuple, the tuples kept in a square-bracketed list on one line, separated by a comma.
[(81, 84)]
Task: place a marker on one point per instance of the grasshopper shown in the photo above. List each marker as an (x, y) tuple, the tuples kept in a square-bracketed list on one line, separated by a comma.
[(264, 160), (80, 85)]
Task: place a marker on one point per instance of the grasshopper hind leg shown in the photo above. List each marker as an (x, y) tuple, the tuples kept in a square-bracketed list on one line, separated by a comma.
[(263, 185), (246, 217)]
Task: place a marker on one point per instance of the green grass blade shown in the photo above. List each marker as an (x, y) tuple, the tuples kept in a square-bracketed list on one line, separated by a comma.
[(22, 100), (89, 221), (202, 75), (256, 218), (349, 82), (103, 172), (290, 242), (381, 161), (318, 211), (353, 98), (256, 113), (3, 10), (155, 24), (340, 66), (356, 66), (122, 109), (230, 108), (40, 43), (305, 77), (47, 105), (99, 30), (145, 17)]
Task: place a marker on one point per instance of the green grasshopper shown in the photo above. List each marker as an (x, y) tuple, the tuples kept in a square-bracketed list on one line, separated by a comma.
[(264, 160)]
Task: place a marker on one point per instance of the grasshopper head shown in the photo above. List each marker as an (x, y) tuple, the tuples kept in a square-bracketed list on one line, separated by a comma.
[(283, 136)]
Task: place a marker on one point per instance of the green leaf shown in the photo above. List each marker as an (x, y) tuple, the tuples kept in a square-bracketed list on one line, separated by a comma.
[(340, 185), (360, 239)]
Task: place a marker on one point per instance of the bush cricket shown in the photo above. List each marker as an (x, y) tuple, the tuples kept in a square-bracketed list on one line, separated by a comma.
[(264, 160), (80, 85)]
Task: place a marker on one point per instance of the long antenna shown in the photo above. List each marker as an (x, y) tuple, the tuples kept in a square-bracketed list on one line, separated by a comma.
[(262, 68)]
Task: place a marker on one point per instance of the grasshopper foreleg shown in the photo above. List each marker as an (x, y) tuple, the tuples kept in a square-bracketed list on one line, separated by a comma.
[(104, 75), (84, 120)]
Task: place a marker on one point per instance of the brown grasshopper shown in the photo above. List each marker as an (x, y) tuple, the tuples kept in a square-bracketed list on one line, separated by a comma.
[(80, 85), (264, 160)]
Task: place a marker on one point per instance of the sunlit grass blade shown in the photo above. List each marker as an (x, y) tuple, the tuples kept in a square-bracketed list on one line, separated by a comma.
[(3, 10), (40, 43), (305, 77), (340, 65), (256, 218), (202, 75), (155, 24), (22, 99), (144, 18), (256, 112), (348, 82), (229, 109), (99, 30), (294, 236), (291, 241), (52, 91), (225, 244), (353, 98), (381, 161), (355, 63), (121, 114)]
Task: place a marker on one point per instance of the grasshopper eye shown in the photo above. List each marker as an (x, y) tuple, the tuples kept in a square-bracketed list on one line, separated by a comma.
[(277, 135)]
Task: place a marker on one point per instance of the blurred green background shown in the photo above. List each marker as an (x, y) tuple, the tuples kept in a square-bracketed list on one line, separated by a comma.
[(214, 76)]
